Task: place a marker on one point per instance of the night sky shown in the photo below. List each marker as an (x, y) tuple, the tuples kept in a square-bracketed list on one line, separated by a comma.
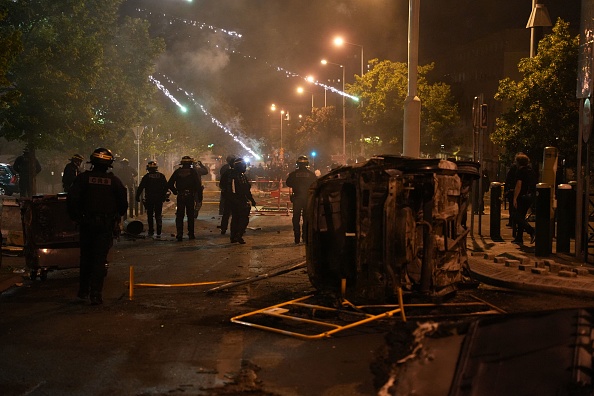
[(297, 34)]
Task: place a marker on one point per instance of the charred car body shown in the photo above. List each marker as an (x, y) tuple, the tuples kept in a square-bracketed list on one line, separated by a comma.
[(387, 224)]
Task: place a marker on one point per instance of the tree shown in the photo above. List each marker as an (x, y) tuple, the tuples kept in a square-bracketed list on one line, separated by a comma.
[(82, 73), (541, 109), (320, 131), (382, 91), (10, 47)]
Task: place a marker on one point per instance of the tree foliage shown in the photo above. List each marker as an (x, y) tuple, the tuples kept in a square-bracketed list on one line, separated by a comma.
[(541, 109), (10, 47), (382, 92), (320, 131), (82, 72)]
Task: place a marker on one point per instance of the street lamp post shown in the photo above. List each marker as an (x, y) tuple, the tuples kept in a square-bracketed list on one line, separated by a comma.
[(338, 41), (411, 139), (138, 134), (539, 17), (311, 79), (282, 114), (324, 61), (300, 90)]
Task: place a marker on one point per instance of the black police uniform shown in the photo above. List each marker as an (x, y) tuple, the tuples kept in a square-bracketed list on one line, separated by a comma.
[(525, 200), (155, 186), (96, 201), (224, 207), (184, 183), (71, 170), (201, 170), (22, 167), (300, 180), (238, 197)]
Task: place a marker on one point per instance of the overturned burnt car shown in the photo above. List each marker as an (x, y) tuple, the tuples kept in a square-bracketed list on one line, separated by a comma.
[(389, 224)]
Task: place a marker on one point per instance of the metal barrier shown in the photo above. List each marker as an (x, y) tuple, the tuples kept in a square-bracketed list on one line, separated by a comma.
[(282, 312), (270, 195), (131, 285), (275, 198)]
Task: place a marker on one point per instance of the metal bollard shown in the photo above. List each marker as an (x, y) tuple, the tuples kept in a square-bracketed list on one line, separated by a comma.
[(573, 204), (564, 209), (543, 247), (495, 217)]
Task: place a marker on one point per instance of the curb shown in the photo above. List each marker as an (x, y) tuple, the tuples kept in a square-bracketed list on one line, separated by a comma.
[(512, 274)]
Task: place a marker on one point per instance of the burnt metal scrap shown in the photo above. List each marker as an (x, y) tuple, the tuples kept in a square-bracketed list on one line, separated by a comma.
[(391, 222)]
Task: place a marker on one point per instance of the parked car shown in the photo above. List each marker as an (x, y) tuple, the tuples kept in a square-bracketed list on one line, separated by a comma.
[(9, 180)]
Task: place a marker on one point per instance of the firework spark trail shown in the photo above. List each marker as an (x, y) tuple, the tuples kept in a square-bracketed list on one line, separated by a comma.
[(200, 25), (289, 73), (167, 93), (204, 110)]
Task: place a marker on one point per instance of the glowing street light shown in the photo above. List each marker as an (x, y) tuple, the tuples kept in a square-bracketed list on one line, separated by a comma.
[(325, 62), (311, 79), (282, 115), (339, 41), (300, 91)]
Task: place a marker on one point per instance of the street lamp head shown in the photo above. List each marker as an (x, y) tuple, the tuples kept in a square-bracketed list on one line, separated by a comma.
[(310, 79), (273, 107), (327, 62), (338, 41), (300, 90)]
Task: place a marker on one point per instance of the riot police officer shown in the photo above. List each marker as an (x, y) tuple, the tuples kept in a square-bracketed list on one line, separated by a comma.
[(27, 168), (71, 170), (96, 201), (184, 183), (201, 170), (300, 180), (154, 183), (224, 207), (239, 197)]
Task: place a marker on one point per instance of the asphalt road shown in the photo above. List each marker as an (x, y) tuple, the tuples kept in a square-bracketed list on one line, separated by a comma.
[(179, 340)]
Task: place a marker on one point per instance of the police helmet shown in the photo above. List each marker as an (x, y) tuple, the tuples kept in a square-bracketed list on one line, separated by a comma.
[(231, 159), (302, 161), (152, 166), (77, 158), (186, 161), (101, 156), (240, 164)]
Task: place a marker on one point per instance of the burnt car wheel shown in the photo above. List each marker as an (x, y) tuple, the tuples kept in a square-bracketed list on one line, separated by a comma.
[(3, 191)]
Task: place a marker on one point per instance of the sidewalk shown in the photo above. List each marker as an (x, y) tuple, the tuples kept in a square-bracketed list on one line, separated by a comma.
[(512, 266)]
